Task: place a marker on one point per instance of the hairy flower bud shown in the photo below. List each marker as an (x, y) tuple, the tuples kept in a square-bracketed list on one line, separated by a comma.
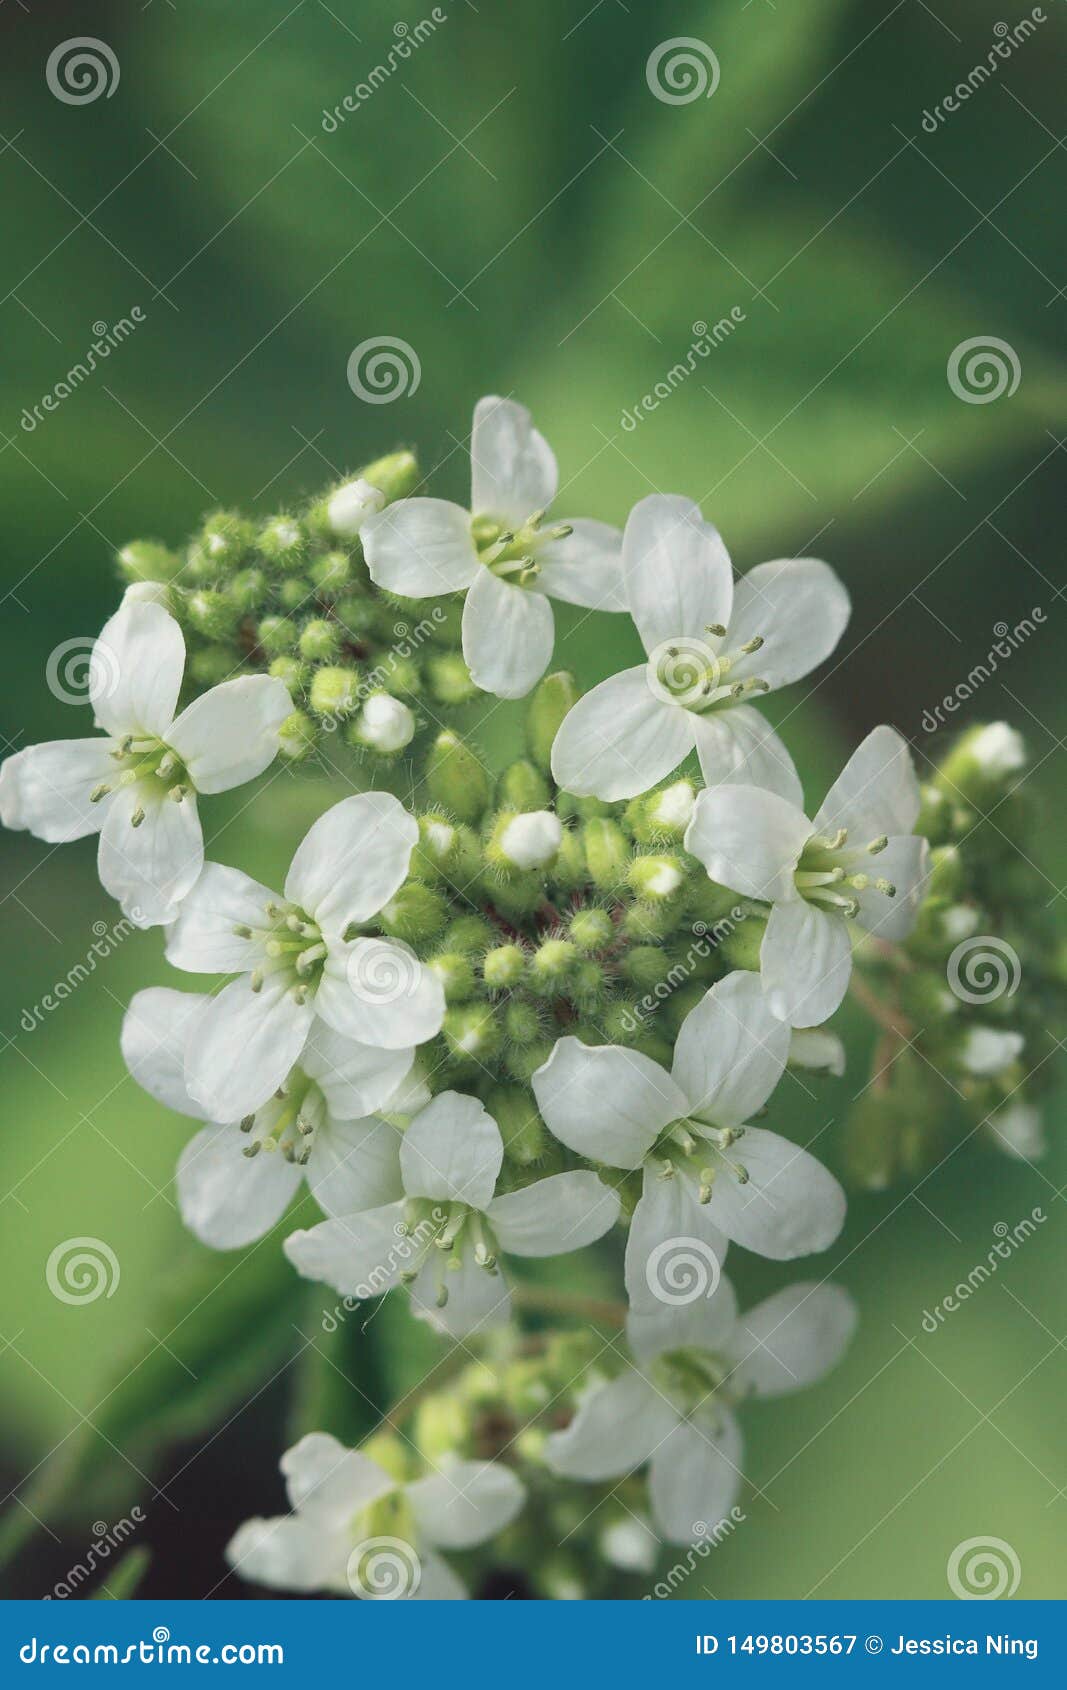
[(456, 777), (591, 930), (319, 640), (349, 506), (526, 841), (334, 691), (521, 1127), (657, 879), (607, 854), (503, 967), (522, 786), (416, 913), (549, 702), (384, 725), (449, 679)]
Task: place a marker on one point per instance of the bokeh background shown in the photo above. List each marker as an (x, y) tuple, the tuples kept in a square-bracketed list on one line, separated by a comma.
[(517, 205)]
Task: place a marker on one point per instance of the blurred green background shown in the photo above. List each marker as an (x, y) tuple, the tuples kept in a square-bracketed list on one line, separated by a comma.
[(516, 204)]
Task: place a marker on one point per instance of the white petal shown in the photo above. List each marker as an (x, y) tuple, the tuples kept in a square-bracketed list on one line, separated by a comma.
[(748, 839), (420, 548), (227, 1199), (792, 1339), (818, 1050), (242, 1046), (905, 863), (616, 1428), (986, 1051), (354, 1165), (805, 963), (675, 1251), (696, 1478), (730, 1053), (465, 1503), (875, 793), (620, 739), (800, 608), (355, 1079), (359, 1255), (605, 1102), (478, 1300), (437, 1581), (790, 1205), (351, 505), (677, 570), (155, 1038), (452, 1151), (285, 1554), (513, 469), (378, 992), (1018, 1130), (203, 940), (352, 860), (135, 673), (508, 634), (230, 735), (328, 1483), (554, 1215), (150, 868), (705, 1323), (46, 788), (737, 747), (585, 568)]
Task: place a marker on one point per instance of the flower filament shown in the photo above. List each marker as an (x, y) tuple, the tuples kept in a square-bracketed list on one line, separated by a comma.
[(150, 764), (827, 874)]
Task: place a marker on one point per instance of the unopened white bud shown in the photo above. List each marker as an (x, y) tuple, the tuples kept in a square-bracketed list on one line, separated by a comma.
[(532, 839), (673, 807), (1019, 1132), (988, 1050), (147, 592), (351, 505), (385, 724), (999, 750)]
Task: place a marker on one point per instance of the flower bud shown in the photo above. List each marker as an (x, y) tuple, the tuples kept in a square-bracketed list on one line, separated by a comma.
[(384, 725), (319, 640), (291, 671), (530, 840), (220, 547), (569, 871), (295, 593), (549, 702), (551, 966), (394, 475), (455, 973), (503, 967), (296, 736), (523, 1060), (522, 786), (449, 679), (438, 838), (646, 924), (472, 1035), (334, 691), (741, 947), (588, 983), (212, 613), (275, 635), (456, 778), (282, 541), (521, 1127), (415, 913), (249, 589), (523, 1023), (401, 676), (661, 818), (680, 1003), (211, 665), (607, 854), (657, 879), (981, 764), (350, 505), (469, 935), (647, 966), (147, 560), (591, 930)]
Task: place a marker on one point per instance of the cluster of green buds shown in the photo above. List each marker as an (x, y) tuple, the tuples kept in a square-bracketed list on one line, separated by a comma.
[(291, 597), (966, 1003)]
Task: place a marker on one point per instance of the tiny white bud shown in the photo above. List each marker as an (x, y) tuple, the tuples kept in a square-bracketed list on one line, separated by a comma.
[(1019, 1132), (532, 839), (673, 807), (385, 724), (988, 1050), (999, 749), (959, 921), (351, 505)]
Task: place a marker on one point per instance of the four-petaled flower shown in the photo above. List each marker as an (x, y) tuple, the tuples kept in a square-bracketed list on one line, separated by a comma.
[(450, 1160), (499, 552), (713, 646), (357, 1530), (675, 1410), (858, 860), (300, 958), (138, 786)]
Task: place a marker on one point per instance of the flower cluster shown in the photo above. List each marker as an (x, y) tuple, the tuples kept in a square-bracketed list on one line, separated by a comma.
[(509, 1015)]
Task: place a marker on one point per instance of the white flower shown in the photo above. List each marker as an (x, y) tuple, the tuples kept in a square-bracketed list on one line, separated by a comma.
[(986, 1051), (712, 647), (499, 552), (531, 839), (450, 1159), (296, 960), (708, 1177), (695, 1362), (138, 786), (235, 1179), (355, 1529), (857, 861), (351, 505)]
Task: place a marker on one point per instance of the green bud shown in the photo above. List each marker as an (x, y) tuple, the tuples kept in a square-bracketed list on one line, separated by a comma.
[(291, 671), (438, 842), (249, 589), (524, 1388), (456, 778), (657, 879), (147, 560), (441, 1426), (330, 574), (522, 786), (449, 679), (661, 817), (592, 930), (220, 547), (741, 947), (607, 854), (282, 541), (334, 691), (946, 873), (523, 1060), (645, 924), (707, 903), (360, 619), (296, 736), (680, 1003), (569, 871), (656, 1049), (522, 1022), (588, 983), (469, 935), (472, 1035), (211, 665), (620, 1023), (551, 966), (394, 475), (523, 842), (503, 967), (984, 764), (646, 966), (415, 913), (456, 975), (275, 635), (319, 640), (584, 809), (549, 702), (212, 613), (521, 1127), (295, 593), (401, 676)]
